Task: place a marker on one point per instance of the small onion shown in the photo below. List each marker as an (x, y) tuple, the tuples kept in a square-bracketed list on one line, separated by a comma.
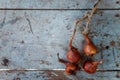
[(89, 47), (91, 67)]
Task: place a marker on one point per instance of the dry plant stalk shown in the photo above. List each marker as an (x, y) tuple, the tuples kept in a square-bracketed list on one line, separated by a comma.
[(87, 17), (73, 55), (89, 48), (78, 21)]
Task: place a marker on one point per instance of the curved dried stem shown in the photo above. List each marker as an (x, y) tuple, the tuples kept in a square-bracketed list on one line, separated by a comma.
[(86, 29), (61, 60), (78, 21), (72, 37), (88, 17)]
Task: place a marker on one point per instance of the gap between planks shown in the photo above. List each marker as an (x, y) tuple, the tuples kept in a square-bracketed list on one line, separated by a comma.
[(99, 70), (56, 9)]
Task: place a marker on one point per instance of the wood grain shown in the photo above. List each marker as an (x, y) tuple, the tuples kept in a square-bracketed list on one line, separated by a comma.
[(57, 75), (37, 47), (32, 32), (58, 4)]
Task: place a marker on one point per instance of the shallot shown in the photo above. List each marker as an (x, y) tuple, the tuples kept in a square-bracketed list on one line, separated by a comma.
[(71, 68), (91, 66), (73, 55)]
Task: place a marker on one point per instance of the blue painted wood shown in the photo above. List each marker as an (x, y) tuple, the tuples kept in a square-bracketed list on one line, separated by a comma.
[(57, 75), (30, 40), (58, 4), (51, 34)]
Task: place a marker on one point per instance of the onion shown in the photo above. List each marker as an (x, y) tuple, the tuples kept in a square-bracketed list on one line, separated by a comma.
[(91, 67), (71, 68), (73, 55), (89, 47)]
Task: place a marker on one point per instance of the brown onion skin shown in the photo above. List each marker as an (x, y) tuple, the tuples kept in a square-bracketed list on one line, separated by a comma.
[(91, 67), (71, 68), (89, 47), (73, 55)]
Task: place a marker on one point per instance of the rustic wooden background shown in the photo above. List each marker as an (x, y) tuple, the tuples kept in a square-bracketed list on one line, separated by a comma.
[(32, 32)]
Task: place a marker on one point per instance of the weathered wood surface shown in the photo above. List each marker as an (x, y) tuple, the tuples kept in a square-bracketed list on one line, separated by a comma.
[(58, 4), (37, 47), (30, 38), (57, 75)]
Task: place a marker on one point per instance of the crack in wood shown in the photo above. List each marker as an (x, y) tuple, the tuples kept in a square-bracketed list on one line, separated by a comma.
[(29, 22), (3, 22), (57, 9), (101, 52), (13, 21), (116, 47), (113, 51), (23, 69)]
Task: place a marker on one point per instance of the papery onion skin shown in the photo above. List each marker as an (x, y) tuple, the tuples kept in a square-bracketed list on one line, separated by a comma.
[(73, 55), (91, 67), (89, 47), (71, 68)]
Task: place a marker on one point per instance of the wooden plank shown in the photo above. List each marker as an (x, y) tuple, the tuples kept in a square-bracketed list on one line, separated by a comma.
[(106, 36), (37, 47), (57, 75), (58, 4)]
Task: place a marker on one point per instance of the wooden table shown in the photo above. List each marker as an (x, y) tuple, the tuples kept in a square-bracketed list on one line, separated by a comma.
[(32, 32)]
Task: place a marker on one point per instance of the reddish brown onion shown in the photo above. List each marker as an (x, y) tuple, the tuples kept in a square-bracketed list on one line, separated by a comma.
[(91, 67), (71, 68), (73, 55), (89, 47)]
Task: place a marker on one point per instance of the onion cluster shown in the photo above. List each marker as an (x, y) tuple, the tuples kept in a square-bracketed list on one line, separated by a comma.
[(74, 60)]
